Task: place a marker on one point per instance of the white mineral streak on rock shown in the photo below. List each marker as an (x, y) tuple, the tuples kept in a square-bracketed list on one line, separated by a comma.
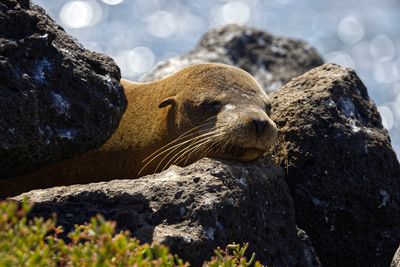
[(67, 133), (61, 104), (385, 198), (210, 232), (347, 107), (40, 69)]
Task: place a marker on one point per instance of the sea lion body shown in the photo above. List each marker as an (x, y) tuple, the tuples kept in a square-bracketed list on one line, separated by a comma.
[(210, 110)]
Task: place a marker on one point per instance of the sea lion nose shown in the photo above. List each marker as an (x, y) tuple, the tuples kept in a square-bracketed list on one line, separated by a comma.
[(259, 126)]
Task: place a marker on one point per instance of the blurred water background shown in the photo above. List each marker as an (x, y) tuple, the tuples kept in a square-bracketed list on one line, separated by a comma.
[(364, 35)]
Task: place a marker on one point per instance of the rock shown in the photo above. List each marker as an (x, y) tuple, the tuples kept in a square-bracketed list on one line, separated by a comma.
[(342, 172), (272, 60), (396, 259), (193, 210), (57, 99)]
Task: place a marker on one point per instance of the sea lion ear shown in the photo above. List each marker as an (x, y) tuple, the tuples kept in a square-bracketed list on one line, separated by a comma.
[(168, 101)]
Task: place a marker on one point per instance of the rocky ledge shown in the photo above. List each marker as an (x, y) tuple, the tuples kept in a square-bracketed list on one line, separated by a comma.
[(193, 210)]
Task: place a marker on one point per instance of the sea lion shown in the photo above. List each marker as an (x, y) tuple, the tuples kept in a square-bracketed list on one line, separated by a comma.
[(204, 110)]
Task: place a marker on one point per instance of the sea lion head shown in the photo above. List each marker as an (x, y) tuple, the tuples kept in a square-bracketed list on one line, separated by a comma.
[(220, 111)]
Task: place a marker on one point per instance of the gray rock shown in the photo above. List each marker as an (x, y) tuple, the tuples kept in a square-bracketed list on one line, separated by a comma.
[(272, 60), (343, 174), (57, 99), (193, 210), (396, 259)]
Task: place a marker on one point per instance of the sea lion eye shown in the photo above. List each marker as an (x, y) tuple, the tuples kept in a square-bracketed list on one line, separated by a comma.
[(211, 104)]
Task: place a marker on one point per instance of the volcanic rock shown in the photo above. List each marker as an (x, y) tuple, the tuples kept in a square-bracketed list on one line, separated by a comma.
[(342, 172), (57, 99)]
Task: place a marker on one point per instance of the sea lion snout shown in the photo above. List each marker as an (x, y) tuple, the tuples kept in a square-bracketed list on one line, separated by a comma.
[(260, 131), (263, 126), (259, 126), (248, 130), (254, 120)]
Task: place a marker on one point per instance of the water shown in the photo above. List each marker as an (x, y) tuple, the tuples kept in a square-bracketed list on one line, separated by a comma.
[(364, 35)]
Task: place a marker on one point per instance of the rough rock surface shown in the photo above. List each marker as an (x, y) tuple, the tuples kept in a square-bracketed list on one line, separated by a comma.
[(193, 210), (272, 60), (396, 259), (57, 99), (343, 174)]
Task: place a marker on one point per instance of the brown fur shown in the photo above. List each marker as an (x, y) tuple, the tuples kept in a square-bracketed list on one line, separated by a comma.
[(158, 112)]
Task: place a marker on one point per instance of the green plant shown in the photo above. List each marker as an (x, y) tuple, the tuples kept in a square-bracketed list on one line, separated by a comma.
[(233, 255), (37, 242)]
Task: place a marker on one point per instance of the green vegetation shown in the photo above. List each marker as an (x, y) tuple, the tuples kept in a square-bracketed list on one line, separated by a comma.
[(37, 242)]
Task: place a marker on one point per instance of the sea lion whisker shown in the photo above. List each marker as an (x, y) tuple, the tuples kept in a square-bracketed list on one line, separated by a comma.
[(182, 136), (176, 142), (212, 117), (181, 156), (195, 128), (186, 154), (187, 141), (211, 140), (187, 149), (228, 144), (173, 148), (214, 145), (193, 151), (191, 147), (196, 149)]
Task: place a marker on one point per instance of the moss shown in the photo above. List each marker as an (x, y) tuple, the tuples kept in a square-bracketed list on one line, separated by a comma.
[(37, 242)]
